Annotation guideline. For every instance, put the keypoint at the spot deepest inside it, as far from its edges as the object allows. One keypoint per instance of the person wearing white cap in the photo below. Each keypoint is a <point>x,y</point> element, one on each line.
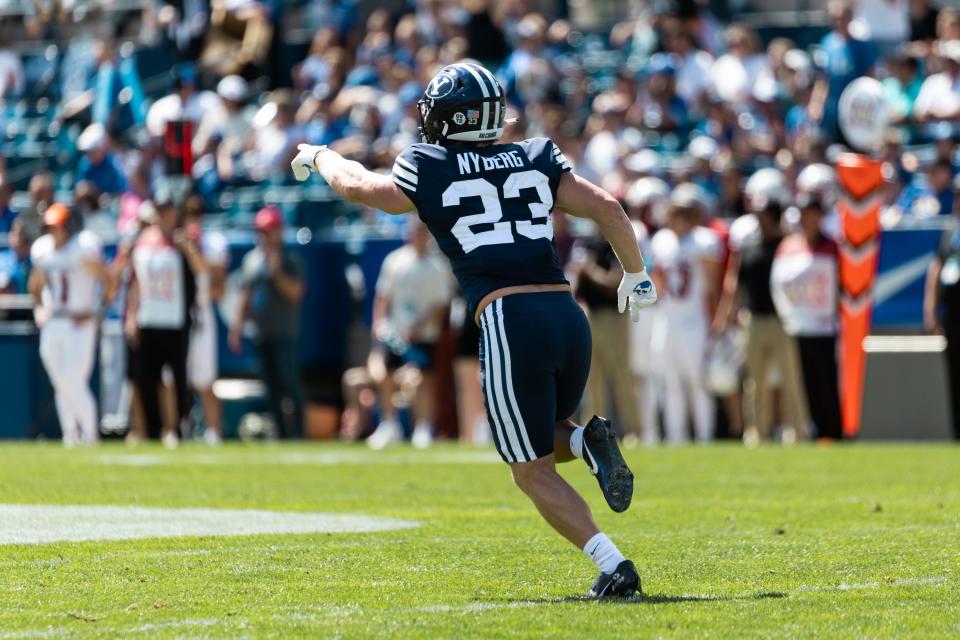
<point>685,258</point>
<point>98,165</point>
<point>224,130</point>
<point>939,97</point>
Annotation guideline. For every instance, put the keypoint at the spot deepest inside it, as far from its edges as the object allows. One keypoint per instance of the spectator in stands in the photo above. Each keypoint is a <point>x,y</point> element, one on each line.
<point>902,87</point>
<point>923,20</point>
<point>658,106</point>
<point>185,103</point>
<point>223,134</point>
<point>939,96</point>
<point>239,37</point>
<point>884,22</point>
<point>804,287</point>
<point>12,80</point>
<point>138,192</point>
<point>15,261</point>
<point>413,299</point>
<point>118,99</point>
<point>596,276</point>
<point>271,291</point>
<point>41,191</point>
<point>693,69</point>
<point>930,192</point>
<point>736,73</point>
<point>844,58</point>
<point>184,24</point>
<point>275,136</point>
<point>7,214</point>
<point>159,303</point>
<point>99,165</point>
<point>93,216</point>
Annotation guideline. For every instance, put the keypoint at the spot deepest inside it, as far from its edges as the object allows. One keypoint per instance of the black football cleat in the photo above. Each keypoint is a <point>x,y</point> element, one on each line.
<point>602,455</point>
<point>624,582</point>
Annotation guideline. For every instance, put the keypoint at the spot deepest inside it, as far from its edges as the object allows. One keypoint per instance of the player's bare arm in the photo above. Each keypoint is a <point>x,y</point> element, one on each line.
<point>728,294</point>
<point>931,297</point>
<point>584,199</point>
<point>351,180</point>
<point>235,337</point>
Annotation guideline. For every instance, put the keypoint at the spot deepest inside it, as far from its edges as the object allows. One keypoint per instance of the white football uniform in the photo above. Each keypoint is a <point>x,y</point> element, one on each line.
<point>67,342</point>
<point>202,357</point>
<point>680,328</point>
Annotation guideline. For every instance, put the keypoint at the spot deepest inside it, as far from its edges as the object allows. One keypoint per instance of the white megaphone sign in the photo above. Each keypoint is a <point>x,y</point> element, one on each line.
<point>863,114</point>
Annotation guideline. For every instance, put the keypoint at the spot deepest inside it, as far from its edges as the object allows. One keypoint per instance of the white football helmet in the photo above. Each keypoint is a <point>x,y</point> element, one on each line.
<point>766,186</point>
<point>821,180</point>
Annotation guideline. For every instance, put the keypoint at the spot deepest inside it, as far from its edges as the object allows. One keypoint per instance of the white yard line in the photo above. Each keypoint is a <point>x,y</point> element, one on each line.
<point>38,524</point>
<point>320,458</point>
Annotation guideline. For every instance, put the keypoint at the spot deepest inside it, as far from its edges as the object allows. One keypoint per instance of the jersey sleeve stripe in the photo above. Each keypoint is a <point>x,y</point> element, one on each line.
<point>403,173</point>
<point>406,165</point>
<point>403,184</point>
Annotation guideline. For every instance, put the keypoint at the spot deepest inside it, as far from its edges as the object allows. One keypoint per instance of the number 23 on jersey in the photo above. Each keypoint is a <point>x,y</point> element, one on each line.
<point>490,198</point>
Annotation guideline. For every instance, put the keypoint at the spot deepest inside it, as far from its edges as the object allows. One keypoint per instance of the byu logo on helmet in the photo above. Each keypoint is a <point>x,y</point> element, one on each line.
<point>440,86</point>
<point>643,288</point>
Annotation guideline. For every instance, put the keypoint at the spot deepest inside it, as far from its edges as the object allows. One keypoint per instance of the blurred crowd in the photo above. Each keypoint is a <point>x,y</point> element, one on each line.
<point>673,106</point>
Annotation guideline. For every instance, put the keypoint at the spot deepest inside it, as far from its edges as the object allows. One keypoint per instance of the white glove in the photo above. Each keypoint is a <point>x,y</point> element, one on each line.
<point>637,291</point>
<point>303,164</point>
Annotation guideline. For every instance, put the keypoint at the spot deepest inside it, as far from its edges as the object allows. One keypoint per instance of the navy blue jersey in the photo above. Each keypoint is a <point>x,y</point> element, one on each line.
<point>489,209</point>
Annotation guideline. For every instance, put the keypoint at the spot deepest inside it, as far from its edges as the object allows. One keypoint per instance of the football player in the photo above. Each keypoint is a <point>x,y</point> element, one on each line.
<point>489,207</point>
<point>68,284</point>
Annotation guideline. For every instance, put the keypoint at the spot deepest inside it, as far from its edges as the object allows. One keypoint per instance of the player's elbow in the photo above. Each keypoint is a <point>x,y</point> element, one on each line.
<point>608,209</point>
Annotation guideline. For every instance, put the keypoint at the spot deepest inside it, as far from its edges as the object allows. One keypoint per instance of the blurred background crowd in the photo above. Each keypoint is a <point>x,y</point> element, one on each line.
<point>715,122</point>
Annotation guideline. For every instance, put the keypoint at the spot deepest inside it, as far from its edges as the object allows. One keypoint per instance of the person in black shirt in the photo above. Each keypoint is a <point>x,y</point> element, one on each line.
<point>748,279</point>
<point>941,312</point>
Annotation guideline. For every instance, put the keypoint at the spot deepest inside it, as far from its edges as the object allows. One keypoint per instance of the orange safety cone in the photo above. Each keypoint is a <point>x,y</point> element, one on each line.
<point>861,182</point>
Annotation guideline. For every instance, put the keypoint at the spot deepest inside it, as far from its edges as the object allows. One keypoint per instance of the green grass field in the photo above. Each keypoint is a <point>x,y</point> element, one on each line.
<point>846,541</point>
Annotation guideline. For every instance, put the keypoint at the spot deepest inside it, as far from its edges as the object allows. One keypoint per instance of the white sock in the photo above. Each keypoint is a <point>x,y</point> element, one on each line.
<point>603,552</point>
<point>576,443</point>
<point>423,426</point>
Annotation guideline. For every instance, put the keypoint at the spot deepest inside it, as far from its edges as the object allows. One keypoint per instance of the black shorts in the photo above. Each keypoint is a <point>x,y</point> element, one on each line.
<point>133,362</point>
<point>534,362</point>
<point>468,339</point>
<point>419,354</point>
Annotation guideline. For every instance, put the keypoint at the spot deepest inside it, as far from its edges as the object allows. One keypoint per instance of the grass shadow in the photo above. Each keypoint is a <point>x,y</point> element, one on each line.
<point>661,598</point>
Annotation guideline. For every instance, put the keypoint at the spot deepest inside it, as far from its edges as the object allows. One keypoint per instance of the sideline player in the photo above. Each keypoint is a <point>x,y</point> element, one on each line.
<point>489,207</point>
<point>685,255</point>
<point>68,283</point>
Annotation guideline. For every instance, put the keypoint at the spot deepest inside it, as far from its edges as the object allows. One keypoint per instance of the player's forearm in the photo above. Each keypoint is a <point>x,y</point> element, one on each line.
<point>243,311</point>
<point>931,290</point>
<point>344,176</point>
<point>617,230</point>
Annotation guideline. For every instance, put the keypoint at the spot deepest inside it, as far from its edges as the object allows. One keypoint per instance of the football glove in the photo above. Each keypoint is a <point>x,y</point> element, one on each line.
<point>303,165</point>
<point>636,291</point>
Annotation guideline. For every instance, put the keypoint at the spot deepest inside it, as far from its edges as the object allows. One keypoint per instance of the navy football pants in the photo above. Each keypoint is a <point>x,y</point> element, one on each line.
<point>534,360</point>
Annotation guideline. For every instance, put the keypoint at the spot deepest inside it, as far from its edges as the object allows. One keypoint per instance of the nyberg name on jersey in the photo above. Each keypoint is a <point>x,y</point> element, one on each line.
<point>474,162</point>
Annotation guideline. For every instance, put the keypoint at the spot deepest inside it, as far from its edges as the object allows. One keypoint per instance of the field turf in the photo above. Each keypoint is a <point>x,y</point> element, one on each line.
<point>855,541</point>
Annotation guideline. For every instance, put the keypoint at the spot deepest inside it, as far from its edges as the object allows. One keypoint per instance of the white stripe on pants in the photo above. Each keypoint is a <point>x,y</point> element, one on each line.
<point>500,394</point>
